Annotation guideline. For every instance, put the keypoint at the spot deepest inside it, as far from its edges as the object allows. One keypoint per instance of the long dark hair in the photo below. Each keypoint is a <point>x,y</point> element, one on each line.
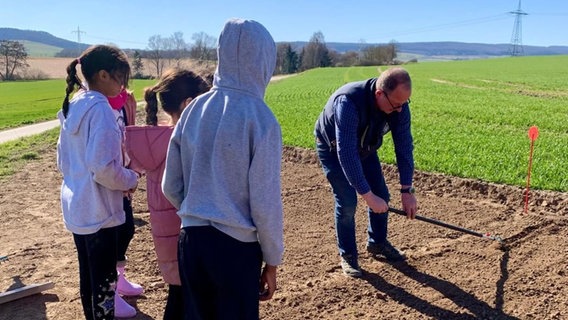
<point>93,60</point>
<point>174,87</point>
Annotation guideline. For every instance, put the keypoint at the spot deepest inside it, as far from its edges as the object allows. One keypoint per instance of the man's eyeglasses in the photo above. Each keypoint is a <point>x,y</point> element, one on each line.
<point>397,107</point>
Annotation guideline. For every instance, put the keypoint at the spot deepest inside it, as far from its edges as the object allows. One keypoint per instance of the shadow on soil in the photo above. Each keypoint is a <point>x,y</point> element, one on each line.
<point>475,308</point>
<point>27,307</point>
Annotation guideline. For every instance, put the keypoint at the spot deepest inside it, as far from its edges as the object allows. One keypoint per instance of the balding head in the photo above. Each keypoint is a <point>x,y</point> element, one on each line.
<point>391,78</point>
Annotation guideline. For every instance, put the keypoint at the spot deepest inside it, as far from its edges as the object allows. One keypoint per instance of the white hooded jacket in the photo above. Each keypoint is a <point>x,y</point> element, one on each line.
<point>89,156</point>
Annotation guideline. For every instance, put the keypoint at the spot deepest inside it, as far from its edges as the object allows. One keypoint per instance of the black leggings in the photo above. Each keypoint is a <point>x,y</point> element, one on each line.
<point>97,271</point>
<point>125,231</point>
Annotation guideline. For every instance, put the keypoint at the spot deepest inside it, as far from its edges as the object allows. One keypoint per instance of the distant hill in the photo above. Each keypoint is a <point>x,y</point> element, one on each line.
<point>33,40</point>
<point>40,37</point>
<point>448,48</point>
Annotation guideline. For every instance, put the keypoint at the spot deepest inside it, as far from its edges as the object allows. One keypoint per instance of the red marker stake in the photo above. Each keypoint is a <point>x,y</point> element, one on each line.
<point>533,134</point>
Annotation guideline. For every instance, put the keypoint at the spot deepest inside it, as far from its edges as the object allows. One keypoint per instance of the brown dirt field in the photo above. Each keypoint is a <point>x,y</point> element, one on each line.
<point>449,275</point>
<point>55,68</point>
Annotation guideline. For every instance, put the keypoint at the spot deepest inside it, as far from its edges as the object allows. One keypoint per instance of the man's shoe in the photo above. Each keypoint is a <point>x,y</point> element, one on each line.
<point>387,250</point>
<point>350,266</point>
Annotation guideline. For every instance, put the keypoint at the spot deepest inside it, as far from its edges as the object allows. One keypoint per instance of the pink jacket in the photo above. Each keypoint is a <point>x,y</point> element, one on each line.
<point>147,147</point>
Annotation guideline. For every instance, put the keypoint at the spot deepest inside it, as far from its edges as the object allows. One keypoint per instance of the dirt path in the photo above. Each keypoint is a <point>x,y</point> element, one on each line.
<point>53,64</point>
<point>449,275</point>
<point>24,131</point>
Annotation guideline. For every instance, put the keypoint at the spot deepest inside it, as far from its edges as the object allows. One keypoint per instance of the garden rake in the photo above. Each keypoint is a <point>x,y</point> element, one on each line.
<point>450,226</point>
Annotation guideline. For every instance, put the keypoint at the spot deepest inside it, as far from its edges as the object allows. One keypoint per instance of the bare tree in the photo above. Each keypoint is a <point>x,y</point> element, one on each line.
<point>13,56</point>
<point>347,59</point>
<point>168,46</point>
<point>157,47</point>
<point>203,48</point>
<point>379,55</point>
<point>392,50</point>
<point>372,55</point>
<point>315,54</point>
<point>179,48</point>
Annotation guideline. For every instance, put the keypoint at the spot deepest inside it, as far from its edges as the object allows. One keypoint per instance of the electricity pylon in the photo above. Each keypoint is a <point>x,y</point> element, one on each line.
<point>78,32</point>
<point>516,48</point>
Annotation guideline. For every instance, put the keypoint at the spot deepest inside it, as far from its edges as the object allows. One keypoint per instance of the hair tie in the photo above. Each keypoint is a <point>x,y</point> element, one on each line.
<point>78,60</point>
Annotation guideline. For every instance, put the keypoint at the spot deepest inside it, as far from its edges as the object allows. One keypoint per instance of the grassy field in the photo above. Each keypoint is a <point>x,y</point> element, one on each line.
<point>36,49</point>
<point>470,118</point>
<point>13,154</point>
<point>30,102</point>
<point>26,102</point>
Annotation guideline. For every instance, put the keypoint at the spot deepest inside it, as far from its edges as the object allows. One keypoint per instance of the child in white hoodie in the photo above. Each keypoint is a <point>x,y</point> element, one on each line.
<point>89,156</point>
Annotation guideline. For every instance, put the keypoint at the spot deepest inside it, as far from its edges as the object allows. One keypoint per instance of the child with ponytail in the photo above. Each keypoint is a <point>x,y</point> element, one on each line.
<point>147,147</point>
<point>90,158</point>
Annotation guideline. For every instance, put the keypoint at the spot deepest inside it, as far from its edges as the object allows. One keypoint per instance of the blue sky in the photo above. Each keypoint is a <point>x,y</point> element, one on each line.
<point>130,23</point>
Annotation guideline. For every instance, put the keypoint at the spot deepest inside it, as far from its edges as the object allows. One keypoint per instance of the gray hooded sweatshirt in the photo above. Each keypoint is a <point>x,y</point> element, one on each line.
<point>224,157</point>
<point>89,156</point>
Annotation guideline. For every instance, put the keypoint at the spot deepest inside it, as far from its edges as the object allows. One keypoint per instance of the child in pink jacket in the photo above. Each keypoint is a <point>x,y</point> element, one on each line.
<point>147,147</point>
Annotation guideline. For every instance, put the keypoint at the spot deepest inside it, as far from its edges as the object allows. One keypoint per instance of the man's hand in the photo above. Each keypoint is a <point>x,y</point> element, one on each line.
<point>377,204</point>
<point>409,205</point>
<point>267,284</point>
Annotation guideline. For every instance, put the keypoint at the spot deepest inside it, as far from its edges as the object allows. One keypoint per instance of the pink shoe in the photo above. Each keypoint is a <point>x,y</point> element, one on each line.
<point>125,287</point>
<point>122,309</point>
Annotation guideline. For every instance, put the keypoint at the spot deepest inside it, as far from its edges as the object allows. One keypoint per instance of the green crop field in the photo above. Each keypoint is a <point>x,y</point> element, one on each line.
<point>36,49</point>
<point>469,118</point>
<point>26,102</point>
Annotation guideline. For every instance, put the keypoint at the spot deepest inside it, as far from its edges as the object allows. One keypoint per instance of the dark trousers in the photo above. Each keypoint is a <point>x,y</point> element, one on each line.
<point>97,272</point>
<point>219,274</point>
<point>174,305</point>
<point>125,232</point>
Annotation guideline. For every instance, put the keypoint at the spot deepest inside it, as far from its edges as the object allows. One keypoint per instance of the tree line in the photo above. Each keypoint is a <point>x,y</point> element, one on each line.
<point>162,52</point>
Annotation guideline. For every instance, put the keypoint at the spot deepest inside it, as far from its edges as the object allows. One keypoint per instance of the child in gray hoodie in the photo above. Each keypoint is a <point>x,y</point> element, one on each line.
<point>223,175</point>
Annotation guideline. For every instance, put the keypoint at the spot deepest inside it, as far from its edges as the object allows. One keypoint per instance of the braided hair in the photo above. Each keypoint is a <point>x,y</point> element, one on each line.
<point>175,86</point>
<point>94,59</point>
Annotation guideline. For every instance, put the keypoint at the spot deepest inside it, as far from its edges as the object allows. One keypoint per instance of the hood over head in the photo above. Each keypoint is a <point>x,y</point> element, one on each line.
<point>246,57</point>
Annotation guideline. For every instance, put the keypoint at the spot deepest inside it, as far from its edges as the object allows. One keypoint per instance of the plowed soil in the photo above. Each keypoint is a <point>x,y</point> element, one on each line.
<point>449,274</point>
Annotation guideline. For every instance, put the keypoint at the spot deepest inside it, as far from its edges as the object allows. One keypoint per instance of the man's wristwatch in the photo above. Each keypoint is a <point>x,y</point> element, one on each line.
<point>410,190</point>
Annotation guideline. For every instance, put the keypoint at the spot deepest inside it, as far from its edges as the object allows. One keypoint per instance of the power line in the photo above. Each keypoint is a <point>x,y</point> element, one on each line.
<point>449,25</point>
<point>116,40</point>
